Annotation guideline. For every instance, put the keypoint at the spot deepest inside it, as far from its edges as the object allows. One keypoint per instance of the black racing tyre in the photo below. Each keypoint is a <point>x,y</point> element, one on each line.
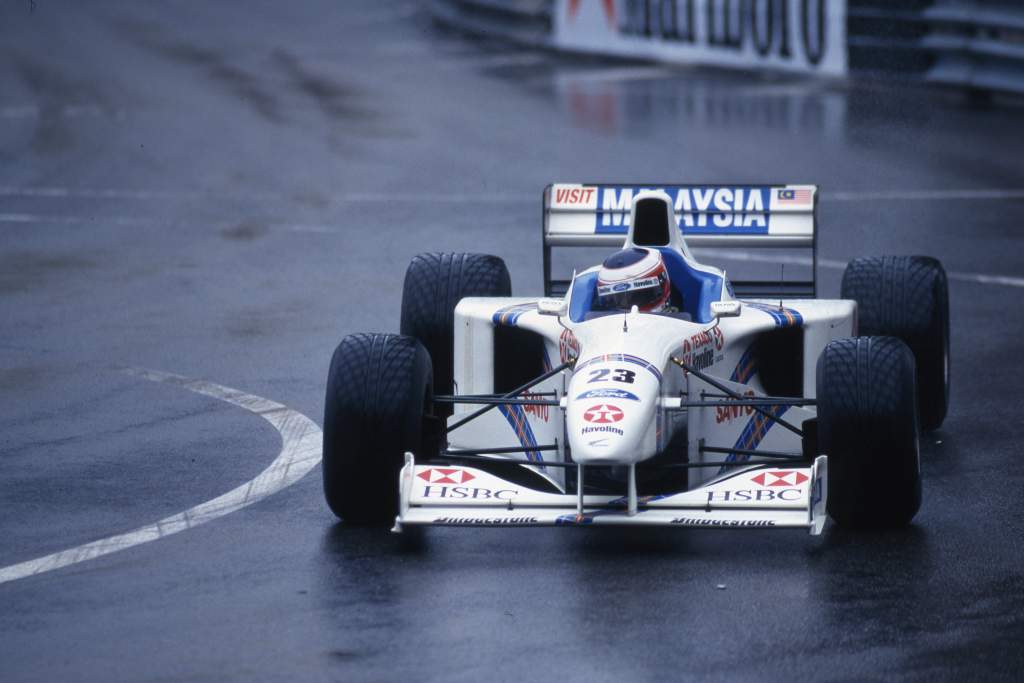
<point>908,297</point>
<point>378,389</point>
<point>434,284</point>
<point>867,426</point>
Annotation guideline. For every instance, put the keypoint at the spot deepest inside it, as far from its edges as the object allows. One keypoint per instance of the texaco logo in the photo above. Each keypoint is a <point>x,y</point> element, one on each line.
<point>790,478</point>
<point>438,475</point>
<point>603,414</point>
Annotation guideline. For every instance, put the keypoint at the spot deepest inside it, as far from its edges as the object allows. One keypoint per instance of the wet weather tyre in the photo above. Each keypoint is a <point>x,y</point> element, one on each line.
<point>867,426</point>
<point>908,297</point>
<point>434,285</point>
<point>377,391</point>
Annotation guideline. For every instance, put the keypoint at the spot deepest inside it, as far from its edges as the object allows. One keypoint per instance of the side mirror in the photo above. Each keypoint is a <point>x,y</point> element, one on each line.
<point>552,307</point>
<point>726,309</point>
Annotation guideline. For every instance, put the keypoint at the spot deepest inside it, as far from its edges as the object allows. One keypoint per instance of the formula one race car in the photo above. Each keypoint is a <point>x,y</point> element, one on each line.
<point>729,404</point>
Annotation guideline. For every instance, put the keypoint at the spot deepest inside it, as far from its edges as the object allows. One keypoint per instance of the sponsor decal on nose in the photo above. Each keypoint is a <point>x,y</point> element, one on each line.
<point>608,393</point>
<point>790,478</point>
<point>438,475</point>
<point>603,413</point>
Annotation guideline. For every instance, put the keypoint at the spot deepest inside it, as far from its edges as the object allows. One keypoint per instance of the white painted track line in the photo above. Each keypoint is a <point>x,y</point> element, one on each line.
<point>976,194</point>
<point>732,255</point>
<point>480,198</point>
<point>737,255</point>
<point>343,198</point>
<point>924,195</point>
<point>80,219</point>
<point>301,443</point>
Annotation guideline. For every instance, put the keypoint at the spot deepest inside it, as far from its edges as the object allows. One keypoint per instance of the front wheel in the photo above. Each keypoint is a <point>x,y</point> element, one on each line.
<point>378,392</point>
<point>908,297</point>
<point>434,285</point>
<point>867,426</point>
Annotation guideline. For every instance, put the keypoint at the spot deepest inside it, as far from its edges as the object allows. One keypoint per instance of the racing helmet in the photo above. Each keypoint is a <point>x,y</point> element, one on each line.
<point>634,277</point>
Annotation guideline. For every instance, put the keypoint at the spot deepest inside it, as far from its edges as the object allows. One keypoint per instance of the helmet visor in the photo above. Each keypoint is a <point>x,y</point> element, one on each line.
<point>649,293</point>
<point>641,298</point>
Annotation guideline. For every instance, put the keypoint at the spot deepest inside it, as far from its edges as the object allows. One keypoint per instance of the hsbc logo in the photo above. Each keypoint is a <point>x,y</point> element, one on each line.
<point>603,414</point>
<point>439,475</point>
<point>784,478</point>
<point>471,492</point>
<point>749,495</point>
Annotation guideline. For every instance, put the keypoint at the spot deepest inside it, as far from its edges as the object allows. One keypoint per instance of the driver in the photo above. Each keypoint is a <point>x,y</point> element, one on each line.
<point>634,277</point>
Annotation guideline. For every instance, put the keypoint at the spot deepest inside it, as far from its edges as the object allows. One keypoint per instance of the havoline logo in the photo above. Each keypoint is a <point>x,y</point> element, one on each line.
<point>604,428</point>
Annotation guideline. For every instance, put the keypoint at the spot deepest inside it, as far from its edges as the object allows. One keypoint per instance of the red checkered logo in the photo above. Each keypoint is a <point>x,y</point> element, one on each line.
<point>787,478</point>
<point>440,475</point>
<point>603,414</point>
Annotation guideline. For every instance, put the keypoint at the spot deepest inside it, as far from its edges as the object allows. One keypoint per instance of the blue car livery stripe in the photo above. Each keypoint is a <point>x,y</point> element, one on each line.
<point>619,504</point>
<point>752,435</point>
<point>783,317</point>
<point>516,417</point>
<point>574,519</point>
<point>509,315</point>
<point>745,367</point>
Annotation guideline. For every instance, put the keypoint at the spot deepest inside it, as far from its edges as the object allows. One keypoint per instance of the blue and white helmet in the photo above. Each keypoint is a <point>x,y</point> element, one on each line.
<point>634,277</point>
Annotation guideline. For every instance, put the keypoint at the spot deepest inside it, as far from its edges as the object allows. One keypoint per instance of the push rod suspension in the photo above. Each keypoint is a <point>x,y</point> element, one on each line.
<point>450,397</point>
<point>475,456</point>
<point>727,403</point>
<point>512,394</point>
<point>744,451</point>
<point>696,465</point>
<point>501,449</point>
<point>739,397</point>
<point>770,400</point>
<point>495,400</point>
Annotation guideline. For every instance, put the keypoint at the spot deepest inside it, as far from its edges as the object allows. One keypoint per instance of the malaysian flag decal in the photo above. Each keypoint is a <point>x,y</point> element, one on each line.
<point>794,196</point>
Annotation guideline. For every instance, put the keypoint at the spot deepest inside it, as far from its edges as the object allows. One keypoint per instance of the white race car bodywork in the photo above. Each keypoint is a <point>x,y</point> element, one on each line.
<point>625,399</point>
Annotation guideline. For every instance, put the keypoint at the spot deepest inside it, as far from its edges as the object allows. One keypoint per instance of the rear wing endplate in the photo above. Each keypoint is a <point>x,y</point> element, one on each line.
<point>727,216</point>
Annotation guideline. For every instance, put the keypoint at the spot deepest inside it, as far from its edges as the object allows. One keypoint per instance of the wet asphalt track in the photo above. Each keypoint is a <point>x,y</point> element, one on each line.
<point>223,190</point>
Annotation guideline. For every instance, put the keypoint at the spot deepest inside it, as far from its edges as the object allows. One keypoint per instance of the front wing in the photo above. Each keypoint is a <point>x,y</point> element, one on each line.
<point>759,496</point>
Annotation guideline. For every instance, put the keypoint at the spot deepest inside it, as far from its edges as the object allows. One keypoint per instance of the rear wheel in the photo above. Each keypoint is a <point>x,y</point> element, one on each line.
<point>378,388</point>
<point>434,285</point>
<point>867,426</point>
<point>908,297</point>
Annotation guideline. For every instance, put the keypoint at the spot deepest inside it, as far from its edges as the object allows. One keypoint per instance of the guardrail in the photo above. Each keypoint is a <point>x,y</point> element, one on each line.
<point>521,21</point>
<point>975,44</point>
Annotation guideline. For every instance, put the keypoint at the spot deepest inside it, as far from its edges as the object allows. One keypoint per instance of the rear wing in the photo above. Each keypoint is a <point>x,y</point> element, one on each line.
<point>747,216</point>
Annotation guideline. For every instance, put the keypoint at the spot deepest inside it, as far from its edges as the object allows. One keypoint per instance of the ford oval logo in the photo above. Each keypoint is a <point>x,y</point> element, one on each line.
<point>608,393</point>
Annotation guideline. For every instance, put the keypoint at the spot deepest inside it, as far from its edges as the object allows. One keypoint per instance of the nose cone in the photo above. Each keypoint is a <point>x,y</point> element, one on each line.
<point>611,405</point>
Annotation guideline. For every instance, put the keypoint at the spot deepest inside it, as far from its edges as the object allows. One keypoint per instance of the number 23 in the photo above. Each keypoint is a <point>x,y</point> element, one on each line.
<point>620,375</point>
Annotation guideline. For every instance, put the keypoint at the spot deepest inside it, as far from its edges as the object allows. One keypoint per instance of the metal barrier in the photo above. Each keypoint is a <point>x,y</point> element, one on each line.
<point>521,21</point>
<point>975,44</point>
